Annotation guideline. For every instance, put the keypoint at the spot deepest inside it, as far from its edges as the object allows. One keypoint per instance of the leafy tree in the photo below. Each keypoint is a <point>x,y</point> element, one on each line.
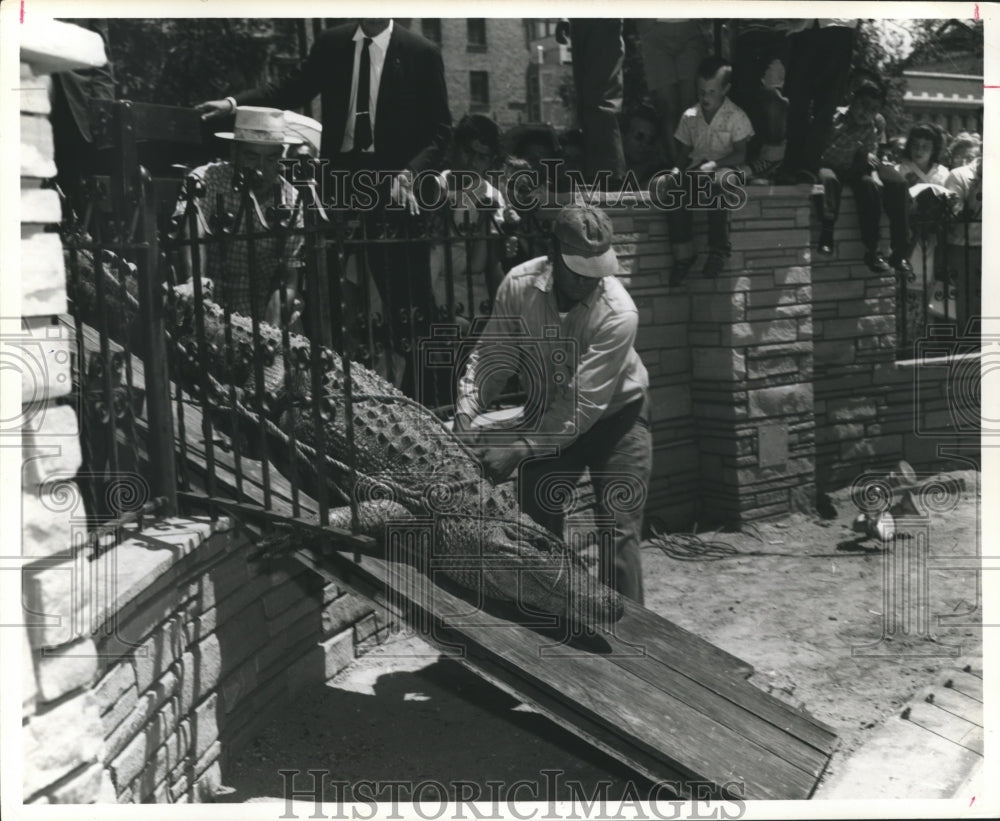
<point>184,61</point>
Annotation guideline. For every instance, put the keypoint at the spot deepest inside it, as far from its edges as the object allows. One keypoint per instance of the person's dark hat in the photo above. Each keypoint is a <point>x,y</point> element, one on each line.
<point>523,135</point>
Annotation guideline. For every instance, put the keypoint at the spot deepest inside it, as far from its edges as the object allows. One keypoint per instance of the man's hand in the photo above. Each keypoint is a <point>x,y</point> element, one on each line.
<point>562,32</point>
<point>708,165</point>
<point>401,192</point>
<point>213,109</point>
<point>499,462</point>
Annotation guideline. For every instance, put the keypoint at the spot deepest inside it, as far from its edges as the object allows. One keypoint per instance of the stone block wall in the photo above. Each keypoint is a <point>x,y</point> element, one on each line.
<point>874,405</point>
<point>61,732</point>
<point>730,361</point>
<point>780,376</point>
<point>164,655</point>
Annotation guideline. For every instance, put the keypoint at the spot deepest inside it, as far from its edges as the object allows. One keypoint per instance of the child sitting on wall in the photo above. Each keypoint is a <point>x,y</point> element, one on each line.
<point>852,157</point>
<point>711,137</point>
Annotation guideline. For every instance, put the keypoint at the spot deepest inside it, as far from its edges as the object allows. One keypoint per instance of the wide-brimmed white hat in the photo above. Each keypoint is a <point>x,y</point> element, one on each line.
<point>585,233</point>
<point>303,129</point>
<point>260,126</point>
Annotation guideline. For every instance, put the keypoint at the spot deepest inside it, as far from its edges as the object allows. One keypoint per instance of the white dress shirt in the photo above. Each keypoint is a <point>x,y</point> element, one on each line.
<point>376,53</point>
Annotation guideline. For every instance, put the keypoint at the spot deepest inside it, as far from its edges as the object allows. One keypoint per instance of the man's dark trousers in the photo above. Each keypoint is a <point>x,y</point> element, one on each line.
<point>819,64</point>
<point>618,451</point>
<point>400,271</point>
<point>598,59</point>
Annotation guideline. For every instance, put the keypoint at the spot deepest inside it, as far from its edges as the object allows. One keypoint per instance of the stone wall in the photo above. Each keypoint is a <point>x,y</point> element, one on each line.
<point>875,406</point>
<point>58,765</point>
<point>163,656</point>
<point>780,376</point>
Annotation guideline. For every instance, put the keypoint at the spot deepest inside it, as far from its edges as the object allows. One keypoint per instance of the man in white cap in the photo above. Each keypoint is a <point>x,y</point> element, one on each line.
<point>573,327</point>
<point>258,140</point>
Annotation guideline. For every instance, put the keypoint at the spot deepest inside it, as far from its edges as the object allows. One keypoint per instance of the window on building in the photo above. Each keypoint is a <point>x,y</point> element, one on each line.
<point>430,27</point>
<point>476,27</point>
<point>479,90</point>
<point>544,28</point>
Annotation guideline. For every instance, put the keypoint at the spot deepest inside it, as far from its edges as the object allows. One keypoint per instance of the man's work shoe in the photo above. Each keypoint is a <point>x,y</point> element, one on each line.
<point>714,264</point>
<point>680,270</point>
<point>876,262</point>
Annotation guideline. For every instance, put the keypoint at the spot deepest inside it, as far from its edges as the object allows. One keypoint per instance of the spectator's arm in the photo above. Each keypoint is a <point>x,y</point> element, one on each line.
<point>295,91</point>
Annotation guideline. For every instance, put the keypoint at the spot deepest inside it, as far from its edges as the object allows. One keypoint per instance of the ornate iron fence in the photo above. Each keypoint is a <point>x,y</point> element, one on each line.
<point>944,289</point>
<point>201,399</point>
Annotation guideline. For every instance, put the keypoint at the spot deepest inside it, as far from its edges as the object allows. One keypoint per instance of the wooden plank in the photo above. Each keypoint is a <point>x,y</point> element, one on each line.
<point>957,702</point>
<point>652,719</point>
<point>967,684</point>
<point>973,666</point>
<point>737,717</point>
<point>669,644</point>
<point>947,725</point>
<point>594,734</point>
<point>672,710</point>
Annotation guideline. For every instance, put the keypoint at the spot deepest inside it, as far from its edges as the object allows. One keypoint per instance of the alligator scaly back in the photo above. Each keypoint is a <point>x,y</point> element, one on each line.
<point>406,466</point>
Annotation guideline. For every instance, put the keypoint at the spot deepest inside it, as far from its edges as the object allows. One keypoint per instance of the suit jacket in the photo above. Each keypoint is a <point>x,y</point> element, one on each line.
<point>412,119</point>
<point>71,90</point>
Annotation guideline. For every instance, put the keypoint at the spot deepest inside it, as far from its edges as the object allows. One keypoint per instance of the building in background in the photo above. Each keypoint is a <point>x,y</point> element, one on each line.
<point>944,78</point>
<point>510,69</point>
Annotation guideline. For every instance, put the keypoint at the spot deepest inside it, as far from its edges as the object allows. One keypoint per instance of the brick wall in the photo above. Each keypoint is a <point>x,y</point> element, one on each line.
<point>505,59</point>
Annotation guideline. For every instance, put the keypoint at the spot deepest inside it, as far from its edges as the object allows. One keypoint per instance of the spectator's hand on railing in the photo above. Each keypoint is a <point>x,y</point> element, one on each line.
<point>211,109</point>
<point>401,192</point>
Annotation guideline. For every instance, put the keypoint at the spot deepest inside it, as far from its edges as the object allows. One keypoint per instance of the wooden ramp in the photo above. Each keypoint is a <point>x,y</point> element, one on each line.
<point>665,702</point>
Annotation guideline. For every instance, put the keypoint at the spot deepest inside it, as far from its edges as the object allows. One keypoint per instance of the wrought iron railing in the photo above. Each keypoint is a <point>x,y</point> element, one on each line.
<point>943,291</point>
<point>185,393</point>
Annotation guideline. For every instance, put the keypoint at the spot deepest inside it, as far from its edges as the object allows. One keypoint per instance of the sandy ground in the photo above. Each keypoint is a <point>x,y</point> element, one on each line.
<point>803,600</point>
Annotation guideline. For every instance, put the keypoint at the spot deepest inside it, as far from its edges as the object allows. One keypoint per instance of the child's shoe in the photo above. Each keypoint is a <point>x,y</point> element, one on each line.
<point>714,264</point>
<point>680,270</point>
<point>876,262</point>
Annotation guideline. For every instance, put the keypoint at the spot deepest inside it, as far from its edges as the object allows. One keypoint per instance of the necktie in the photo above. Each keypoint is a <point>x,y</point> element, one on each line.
<point>362,117</point>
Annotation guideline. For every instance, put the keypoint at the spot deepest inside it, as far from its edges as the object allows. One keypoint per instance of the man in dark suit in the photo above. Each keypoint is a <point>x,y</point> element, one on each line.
<point>401,129</point>
<point>76,156</point>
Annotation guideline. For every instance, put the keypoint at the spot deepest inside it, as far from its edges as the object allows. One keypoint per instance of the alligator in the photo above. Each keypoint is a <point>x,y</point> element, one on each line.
<point>403,467</point>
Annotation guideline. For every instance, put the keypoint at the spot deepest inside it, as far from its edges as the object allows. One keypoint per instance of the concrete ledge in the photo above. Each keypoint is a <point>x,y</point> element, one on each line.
<point>49,45</point>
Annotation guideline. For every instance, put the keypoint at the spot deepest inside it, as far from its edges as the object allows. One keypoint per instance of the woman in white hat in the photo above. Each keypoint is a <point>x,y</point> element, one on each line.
<point>259,138</point>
